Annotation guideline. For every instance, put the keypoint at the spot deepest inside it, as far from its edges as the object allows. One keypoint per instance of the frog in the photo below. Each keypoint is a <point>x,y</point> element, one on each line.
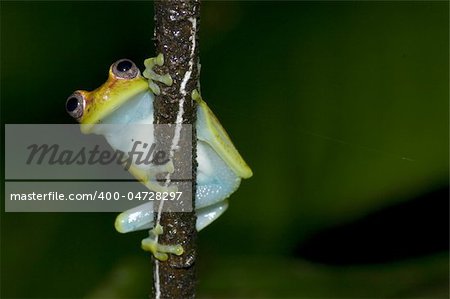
<point>127,97</point>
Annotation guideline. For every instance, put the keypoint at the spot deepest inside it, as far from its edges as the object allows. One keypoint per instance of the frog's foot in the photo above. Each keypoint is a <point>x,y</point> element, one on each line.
<point>147,176</point>
<point>150,74</point>
<point>158,185</point>
<point>160,251</point>
<point>166,167</point>
<point>153,184</point>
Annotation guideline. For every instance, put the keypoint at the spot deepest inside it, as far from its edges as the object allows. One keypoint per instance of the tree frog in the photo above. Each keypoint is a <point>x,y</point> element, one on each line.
<point>127,98</point>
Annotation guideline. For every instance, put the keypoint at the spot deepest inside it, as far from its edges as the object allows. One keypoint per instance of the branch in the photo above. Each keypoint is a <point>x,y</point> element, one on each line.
<point>176,37</point>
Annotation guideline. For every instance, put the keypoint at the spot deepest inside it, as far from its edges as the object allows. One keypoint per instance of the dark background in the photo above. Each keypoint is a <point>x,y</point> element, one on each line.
<point>340,108</point>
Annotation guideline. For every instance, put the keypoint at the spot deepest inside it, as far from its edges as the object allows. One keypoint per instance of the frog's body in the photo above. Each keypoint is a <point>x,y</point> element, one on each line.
<point>126,98</point>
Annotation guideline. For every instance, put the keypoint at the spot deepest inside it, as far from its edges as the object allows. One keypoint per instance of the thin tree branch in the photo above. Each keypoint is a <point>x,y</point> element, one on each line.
<point>176,37</point>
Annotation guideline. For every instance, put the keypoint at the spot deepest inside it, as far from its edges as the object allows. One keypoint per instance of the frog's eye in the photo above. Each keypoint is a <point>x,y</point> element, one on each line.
<point>125,69</point>
<point>75,105</point>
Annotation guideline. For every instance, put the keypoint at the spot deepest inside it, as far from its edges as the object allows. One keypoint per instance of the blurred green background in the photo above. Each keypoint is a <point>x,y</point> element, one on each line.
<point>340,108</point>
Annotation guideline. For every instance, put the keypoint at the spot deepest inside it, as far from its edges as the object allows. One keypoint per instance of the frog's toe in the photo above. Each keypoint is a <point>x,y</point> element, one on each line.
<point>168,167</point>
<point>195,95</point>
<point>150,74</point>
<point>154,87</point>
<point>160,251</point>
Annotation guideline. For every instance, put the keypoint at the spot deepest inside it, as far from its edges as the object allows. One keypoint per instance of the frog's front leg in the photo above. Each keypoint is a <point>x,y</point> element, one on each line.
<point>150,74</point>
<point>141,217</point>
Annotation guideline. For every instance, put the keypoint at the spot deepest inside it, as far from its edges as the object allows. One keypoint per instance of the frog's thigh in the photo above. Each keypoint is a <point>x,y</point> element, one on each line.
<point>215,180</point>
<point>208,214</point>
<point>138,218</point>
<point>210,131</point>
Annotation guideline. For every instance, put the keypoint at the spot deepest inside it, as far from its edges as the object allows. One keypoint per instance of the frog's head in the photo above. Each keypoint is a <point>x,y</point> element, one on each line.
<point>94,107</point>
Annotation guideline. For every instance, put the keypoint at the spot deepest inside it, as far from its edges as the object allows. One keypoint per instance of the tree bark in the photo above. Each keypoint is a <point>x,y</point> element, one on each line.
<point>176,37</point>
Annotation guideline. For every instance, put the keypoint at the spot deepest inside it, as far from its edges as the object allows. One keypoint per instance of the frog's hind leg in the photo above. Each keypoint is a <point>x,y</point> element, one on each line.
<point>141,217</point>
<point>211,131</point>
<point>150,74</point>
<point>208,214</point>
